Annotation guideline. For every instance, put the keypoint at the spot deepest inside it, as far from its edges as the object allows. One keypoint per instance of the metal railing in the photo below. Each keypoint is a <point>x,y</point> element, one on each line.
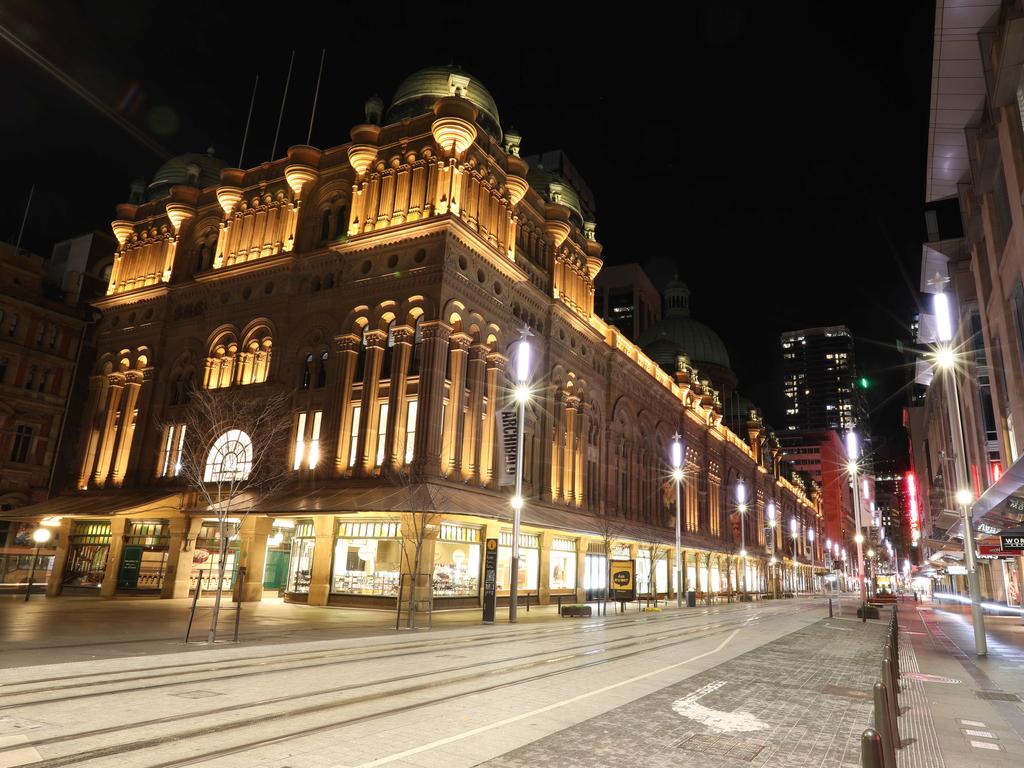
<point>878,745</point>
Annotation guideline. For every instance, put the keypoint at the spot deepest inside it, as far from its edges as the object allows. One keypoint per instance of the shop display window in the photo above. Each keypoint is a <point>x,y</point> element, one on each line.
<point>661,569</point>
<point>206,557</point>
<point>300,563</point>
<point>529,561</point>
<point>88,546</point>
<point>562,564</point>
<point>150,541</point>
<point>457,562</point>
<point>367,559</point>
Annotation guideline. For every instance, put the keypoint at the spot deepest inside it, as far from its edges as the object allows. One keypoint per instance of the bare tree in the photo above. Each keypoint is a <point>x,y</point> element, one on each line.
<point>609,528</point>
<point>421,518</point>
<point>650,541</point>
<point>234,455</point>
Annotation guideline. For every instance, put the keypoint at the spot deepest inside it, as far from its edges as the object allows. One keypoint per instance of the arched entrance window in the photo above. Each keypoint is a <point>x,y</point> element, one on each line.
<point>230,458</point>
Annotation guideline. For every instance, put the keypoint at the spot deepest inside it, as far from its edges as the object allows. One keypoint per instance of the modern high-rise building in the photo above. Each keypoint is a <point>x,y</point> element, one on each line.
<point>625,297</point>
<point>820,381</point>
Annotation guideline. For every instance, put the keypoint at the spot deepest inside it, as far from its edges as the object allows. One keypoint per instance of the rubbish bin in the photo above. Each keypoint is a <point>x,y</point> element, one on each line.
<point>691,599</point>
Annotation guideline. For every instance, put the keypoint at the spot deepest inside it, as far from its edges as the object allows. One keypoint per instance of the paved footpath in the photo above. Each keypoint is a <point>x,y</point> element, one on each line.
<point>801,700</point>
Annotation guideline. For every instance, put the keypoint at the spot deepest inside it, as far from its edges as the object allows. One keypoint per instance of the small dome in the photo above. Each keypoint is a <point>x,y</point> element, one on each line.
<point>421,89</point>
<point>555,189</point>
<point>191,169</point>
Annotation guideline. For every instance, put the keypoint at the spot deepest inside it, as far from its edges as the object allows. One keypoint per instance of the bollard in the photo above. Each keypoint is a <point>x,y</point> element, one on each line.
<point>892,687</point>
<point>871,755</point>
<point>830,607</point>
<point>883,724</point>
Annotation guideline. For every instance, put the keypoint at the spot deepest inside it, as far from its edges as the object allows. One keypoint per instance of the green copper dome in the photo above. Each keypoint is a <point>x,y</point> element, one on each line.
<point>553,188</point>
<point>678,333</point>
<point>191,169</point>
<point>421,89</point>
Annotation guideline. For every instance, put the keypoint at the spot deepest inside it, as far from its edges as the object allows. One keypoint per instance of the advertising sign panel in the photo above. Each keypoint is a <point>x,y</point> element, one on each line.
<point>622,575</point>
<point>490,579</point>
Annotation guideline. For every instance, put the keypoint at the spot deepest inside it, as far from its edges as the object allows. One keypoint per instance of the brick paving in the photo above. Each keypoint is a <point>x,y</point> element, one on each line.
<point>801,700</point>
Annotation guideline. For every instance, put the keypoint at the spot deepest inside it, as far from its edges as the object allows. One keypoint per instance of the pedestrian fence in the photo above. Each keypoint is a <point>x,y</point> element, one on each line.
<point>878,745</point>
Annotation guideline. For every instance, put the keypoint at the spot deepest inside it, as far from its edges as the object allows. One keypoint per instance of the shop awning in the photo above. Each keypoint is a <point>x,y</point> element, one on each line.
<point>101,504</point>
<point>447,500</point>
<point>992,512</point>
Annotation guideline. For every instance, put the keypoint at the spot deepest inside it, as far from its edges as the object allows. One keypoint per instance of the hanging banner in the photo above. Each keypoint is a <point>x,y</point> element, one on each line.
<point>508,424</point>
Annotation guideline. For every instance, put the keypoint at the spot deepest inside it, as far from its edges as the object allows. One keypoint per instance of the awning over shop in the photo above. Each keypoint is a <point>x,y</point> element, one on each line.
<point>992,511</point>
<point>447,500</point>
<point>101,504</point>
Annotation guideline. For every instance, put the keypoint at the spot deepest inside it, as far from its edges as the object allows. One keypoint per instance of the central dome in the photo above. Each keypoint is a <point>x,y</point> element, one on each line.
<point>421,89</point>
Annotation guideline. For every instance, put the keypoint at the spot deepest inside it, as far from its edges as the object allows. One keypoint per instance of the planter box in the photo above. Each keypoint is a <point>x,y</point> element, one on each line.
<point>576,611</point>
<point>746,598</point>
<point>871,611</point>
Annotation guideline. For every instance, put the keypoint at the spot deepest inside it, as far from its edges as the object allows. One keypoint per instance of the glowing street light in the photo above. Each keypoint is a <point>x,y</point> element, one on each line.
<point>810,538</point>
<point>771,524</point>
<point>40,536</point>
<point>676,456</point>
<point>741,507</point>
<point>853,455</point>
<point>522,395</point>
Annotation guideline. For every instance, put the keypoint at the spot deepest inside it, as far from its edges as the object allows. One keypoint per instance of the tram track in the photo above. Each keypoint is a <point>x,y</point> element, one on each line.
<point>344,655</point>
<point>512,665</point>
<point>303,664</point>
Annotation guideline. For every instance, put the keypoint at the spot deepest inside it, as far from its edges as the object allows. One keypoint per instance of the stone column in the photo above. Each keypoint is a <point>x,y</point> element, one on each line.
<point>109,429</point>
<point>126,433</point>
<point>582,547</point>
<point>472,433</point>
<point>394,439</point>
<point>60,559</point>
<point>572,405</point>
<point>495,367</point>
<point>180,550</point>
<point>323,554</point>
<point>424,582</point>
<point>435,336</point>
<point>451,453</point>
<point>341,399</point>
<point>557,448</point>
<point>109,586</point>
<point>368,416</point>
<point>252,554</point>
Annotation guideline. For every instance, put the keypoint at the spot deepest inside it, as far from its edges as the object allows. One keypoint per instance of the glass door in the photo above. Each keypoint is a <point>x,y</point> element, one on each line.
<point>595,576</point>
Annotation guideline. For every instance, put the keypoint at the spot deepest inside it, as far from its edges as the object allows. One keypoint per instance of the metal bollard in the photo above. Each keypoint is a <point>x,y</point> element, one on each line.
<point>871,754</point>
<point>883,724</point>
<point>892,686</point>
<point>830,607</point>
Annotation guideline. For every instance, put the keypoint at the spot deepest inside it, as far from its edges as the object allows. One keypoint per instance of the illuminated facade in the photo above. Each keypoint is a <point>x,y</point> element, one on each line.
<point>381,283</point>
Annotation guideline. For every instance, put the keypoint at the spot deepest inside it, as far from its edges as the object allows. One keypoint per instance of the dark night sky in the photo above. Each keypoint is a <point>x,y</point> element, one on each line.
<point>784,147</point>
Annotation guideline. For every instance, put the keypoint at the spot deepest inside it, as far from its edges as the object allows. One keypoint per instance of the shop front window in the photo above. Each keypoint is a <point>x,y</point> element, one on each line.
<point>457,562</point>
<point>88,546</point>
<point>367,559</point>
<point>300,563</point>
<point>206,556</point>
<point>661,573</point>
<point>643,572</point>
<point>562,573</point>
<point>529,561</point>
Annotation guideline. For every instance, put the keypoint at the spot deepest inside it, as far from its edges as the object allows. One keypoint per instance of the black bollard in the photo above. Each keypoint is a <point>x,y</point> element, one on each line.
<point>830,607</point>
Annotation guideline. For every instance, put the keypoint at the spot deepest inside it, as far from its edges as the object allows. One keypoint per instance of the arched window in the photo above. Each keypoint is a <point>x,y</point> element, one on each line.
<point>321,373</point>
<point>389,352</point>
<point>230,458</point>
<point>361,357</point>
<point>325,226</point>
<point>307,370</point>
<point>417,348</point>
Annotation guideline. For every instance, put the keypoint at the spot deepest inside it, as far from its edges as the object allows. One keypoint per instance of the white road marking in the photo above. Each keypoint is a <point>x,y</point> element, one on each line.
<point>984,745</point>
<point>26,754</point>
<point>716,719</point>
<point>541,710</point>
<point>982,734</point>
<point>974,722</point>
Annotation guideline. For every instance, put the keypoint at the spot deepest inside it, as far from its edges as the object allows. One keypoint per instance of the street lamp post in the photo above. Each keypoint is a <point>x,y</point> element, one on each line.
<point>40,536</point>
<point>852,455</point>
<point>771,527</point>
<point>741,507</point>
<point>677,476</point>
<point>810,537</point>
<point>793,526</point>
<point>522,392</point>
<point>964,498</point>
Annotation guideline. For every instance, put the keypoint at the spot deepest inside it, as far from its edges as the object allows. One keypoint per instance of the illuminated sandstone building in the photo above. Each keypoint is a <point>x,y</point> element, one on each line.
<point>381,283</point>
